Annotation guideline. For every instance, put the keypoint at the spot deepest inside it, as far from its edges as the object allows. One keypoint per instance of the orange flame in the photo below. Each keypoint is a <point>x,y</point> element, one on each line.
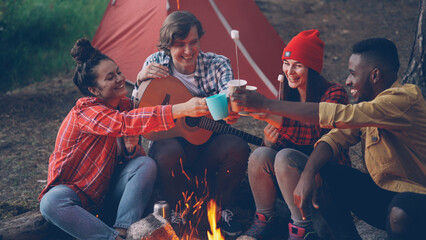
<point>178,7</point>
<point>211,213</point>
<point>183,171</point>
<point>191,209</point>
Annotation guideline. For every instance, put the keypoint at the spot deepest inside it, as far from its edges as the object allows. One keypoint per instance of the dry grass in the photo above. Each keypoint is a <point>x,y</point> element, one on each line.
<point>30,118</point>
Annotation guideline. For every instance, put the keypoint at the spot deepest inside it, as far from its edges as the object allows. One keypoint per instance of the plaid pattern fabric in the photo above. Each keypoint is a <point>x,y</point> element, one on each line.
<point>85,154</point>
<point>302,136</point>
<point>212,72</point>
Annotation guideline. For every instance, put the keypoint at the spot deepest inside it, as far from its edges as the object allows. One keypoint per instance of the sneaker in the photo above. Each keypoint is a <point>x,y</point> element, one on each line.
<point>299,233</point>
<point>228,224</point>
<point>261,227</point>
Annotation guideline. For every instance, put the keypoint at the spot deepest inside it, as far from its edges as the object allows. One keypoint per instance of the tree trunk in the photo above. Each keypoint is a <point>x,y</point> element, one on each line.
<point>416,70</point>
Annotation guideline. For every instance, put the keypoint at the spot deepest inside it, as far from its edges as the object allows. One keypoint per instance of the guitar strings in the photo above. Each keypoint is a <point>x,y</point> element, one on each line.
<point>211,125</point>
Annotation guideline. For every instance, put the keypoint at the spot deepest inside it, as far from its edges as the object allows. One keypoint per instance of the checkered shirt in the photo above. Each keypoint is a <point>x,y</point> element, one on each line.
<point>302,136</point>
<point>85,154</point>
<point>212,72</point>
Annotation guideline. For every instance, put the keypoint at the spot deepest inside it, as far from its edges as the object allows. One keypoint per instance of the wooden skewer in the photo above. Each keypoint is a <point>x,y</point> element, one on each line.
<point>235,35</point>
<point>280,96</point>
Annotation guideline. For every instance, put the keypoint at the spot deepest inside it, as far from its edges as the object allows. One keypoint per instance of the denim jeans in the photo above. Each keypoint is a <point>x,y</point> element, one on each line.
<point>131,188</point>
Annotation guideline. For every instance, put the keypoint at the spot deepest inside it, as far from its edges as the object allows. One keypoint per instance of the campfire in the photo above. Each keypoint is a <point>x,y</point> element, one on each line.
<point>214,233</point>
<point>194,207</point>
<point>192,210</point>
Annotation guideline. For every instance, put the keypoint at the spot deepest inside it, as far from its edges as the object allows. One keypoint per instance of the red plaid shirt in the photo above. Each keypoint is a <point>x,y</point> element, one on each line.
<point>302,136</point>
<point>85,154</point>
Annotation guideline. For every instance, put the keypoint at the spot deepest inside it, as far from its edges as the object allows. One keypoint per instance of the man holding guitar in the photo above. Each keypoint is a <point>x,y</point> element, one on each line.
<point>223,157</point>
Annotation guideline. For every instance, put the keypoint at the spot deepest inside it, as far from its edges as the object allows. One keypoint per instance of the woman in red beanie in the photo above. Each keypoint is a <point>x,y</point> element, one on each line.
<point>288,143</point>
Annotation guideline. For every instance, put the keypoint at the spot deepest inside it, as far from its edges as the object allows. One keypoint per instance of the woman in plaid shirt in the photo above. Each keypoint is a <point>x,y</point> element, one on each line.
<point>288,143</point>
<point>97,165</point>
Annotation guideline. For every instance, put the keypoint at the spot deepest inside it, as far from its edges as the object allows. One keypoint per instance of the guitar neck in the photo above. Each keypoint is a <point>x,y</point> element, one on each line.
<point>211,125</point>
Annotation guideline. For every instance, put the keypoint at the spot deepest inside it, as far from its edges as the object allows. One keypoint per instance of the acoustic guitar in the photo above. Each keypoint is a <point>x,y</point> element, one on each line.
<point>197,131</point>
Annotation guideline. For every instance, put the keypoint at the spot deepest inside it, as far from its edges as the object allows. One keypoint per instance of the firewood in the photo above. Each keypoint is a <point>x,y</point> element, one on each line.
<point>30,225</point>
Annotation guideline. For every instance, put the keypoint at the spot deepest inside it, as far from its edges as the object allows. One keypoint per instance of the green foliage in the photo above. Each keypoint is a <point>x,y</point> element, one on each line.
<point>36,37</point>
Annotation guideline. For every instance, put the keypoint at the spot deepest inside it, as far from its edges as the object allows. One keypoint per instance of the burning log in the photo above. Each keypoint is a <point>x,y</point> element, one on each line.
<point>30,225</point>
<point>151,227</point>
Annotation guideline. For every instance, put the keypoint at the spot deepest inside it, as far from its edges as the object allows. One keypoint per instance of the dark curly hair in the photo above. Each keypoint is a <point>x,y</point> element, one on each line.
<point>87,57</point>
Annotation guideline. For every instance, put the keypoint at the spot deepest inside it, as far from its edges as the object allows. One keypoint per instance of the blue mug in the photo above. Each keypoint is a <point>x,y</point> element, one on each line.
<point>218,106</point>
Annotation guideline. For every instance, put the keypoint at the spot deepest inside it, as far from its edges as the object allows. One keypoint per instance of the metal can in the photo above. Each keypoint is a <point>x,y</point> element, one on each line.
<point>162,209</point>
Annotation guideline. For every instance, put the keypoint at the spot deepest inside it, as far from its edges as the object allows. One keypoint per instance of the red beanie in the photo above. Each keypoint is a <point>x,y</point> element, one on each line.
<point>307,48</point>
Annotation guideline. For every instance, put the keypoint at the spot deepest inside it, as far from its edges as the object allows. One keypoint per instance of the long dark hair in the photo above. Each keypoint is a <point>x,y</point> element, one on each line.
<point>317,85</point>
<point>87,58</point>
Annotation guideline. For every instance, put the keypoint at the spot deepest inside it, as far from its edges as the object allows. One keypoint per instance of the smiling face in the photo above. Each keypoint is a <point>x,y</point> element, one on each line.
<point>184,52</point>
<point>111,83</point>
<point>296,73</point>
<point>359,79</point>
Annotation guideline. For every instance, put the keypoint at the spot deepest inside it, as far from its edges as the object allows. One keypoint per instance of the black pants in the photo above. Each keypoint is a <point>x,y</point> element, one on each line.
<point>183,167</point>
<point>347,190</point>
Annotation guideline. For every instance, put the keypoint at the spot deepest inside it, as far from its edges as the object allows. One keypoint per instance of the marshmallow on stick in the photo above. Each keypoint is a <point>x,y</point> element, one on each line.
<point>235,34</point>
<point>281,86</point>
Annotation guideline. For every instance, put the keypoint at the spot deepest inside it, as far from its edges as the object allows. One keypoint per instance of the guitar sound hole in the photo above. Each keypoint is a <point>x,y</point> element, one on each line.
<point>192,121</point>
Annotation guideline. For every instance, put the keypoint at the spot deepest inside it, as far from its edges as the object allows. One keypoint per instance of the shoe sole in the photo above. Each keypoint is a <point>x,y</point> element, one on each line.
<point>229,234</point>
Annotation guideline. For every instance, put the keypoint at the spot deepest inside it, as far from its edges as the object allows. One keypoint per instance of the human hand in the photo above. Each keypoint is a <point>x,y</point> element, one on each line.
<point>194,107</point>
<point>232,117</point>
<point>130,142</point>
<point>271,135</point>
<point>259,116</point>
<point>305,189</point>
<point>152,70</point>
<point>249,101</point>
<point>272,119</point>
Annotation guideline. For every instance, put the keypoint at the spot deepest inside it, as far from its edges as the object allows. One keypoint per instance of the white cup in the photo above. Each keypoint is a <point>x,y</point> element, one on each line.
<point>232,86</point>
<point>250,88</point>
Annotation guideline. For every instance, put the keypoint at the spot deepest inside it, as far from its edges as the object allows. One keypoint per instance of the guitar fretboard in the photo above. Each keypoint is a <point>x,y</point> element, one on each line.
<point>211,125</point>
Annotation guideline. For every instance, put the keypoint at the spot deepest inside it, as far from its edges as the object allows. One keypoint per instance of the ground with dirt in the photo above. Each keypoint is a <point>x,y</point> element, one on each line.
<point>31,116</point>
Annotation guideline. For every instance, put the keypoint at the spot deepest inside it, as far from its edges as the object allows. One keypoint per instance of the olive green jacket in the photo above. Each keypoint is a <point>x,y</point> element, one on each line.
<point>392,128</point>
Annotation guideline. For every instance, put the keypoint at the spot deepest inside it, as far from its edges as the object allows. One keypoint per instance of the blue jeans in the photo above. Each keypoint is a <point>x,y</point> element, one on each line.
<point>131,188</point>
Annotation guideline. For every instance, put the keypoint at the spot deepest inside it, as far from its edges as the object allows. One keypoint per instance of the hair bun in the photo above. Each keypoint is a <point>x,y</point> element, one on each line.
<point>82,50</point>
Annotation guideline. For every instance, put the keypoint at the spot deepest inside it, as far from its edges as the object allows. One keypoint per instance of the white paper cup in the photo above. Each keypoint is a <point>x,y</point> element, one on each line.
<point>232,86</point>
<point>250,88</point>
